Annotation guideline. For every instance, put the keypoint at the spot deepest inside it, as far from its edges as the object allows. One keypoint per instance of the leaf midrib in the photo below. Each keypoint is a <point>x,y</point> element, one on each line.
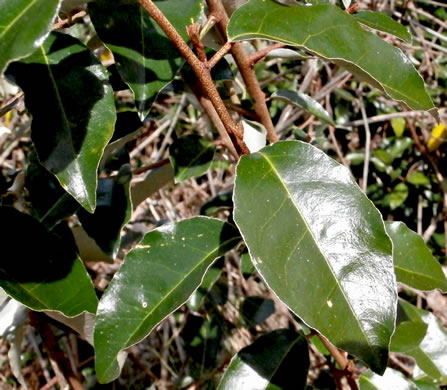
<point>292,199</point>
<point>18,16</point>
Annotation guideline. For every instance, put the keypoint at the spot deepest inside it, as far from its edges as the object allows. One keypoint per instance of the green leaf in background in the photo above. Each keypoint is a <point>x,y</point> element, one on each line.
<point>40,269</point>
<point>413,262</point>
<point>191,156</point>
<point>24,24</point>
<point>418,178</point>
<point>398,125</point>
<point>305,102</point>
<point>408,335</point>
<point>431,352</point>
<point>113,211</point>
<point>255,310</point>
<point>50,202</point>
<point>145,57</point>
<point>317,241</point>
<point>276,360</point>
<point>210,278</point>
<point>246,266</point>
<point>391,379</point>
<point>74,122</point>
<point>174,258</point>
<point>382,22</point>
<point>396,197</point>
<point>327,31</point>
<point>220,202</point>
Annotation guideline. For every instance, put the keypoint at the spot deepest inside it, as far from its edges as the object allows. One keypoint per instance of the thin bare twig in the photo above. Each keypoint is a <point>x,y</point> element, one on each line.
<point>260,55</point>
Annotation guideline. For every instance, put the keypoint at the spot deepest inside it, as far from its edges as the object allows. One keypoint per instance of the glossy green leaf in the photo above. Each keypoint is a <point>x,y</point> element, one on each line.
<point>305,102</point>
<point>40,269</point>
<point>210,278</point>
<point>413,262</point>
<point>408,335</point>
<point>328,32</point>
<point>381,22</point>
<point>113,211</point>
<point>174,258</point>
<point>255,310</point>
<point>391,379</point>
<point>74,122</point>
<point>191,156</point>
<point>320,245</point>
<point>49,201</point>
<point>145,57</point>
<point>431,352</point>
<point>418,178</point>
<point>274,361</point>
<point>24,24</point>
<point>397,197</point>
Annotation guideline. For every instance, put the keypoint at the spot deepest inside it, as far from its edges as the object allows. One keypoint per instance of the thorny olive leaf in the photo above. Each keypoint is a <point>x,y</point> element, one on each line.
<point>320,245</point>
<point>113,211</point>
<point>24,25</point>
<point>305,102</point>
<point>382,22</point>
<point>73,109</point>
<point>330,33</point>
<point>277,360</point>
<point>413,262</point>
<point>191,156</point>
<point>40,270</point>
<point>145,57</point>
<point>174,258</point>
<point>431,352</point>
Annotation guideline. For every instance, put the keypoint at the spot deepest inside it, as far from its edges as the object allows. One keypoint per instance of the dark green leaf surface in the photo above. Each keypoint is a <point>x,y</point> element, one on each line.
<point>391,379</point>
<point>320,245</point>
<point>328,32</point>
<point>74,121</point>
<point>305,102</point>
<point>113,211</point>
<point>24,24</point>
<point>408,335</point>
<point>255,310</point>
<point>413,262</point>
<point>40,270</point>
<point>430,354</point>
<point>50,202</point>
<point>382,22</point>
<point>191,156</point>
<point>246,266</point>
<point>210,278</point>
<point>145,57</point>
<point>174,258</point>
<point>277,360</point>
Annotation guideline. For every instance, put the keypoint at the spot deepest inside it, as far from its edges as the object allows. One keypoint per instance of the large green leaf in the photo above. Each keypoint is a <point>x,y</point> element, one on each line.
<point>191,156</point>
<point>277,360</point>
<point>74,122</point>
<point>430,354</point>
<point>113,211</point>
<point>145,57</point>
<point>382,22</point>
<point>24,24</point>
<point>40,269</point>
<point>156,278</point>
<point>328,32</point>
<point>320,245</point>
<point>413,262</point>
<point>408,335</point>
<point>391,379</point>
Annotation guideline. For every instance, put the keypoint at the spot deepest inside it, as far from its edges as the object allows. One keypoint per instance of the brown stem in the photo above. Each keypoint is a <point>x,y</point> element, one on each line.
<point>246,70</point>
<point>69,21</point>
<point>146,168</point>
<point>219,54</point>
<point>260,55</point>
<point>202,73</point>
<point>194,34</point>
